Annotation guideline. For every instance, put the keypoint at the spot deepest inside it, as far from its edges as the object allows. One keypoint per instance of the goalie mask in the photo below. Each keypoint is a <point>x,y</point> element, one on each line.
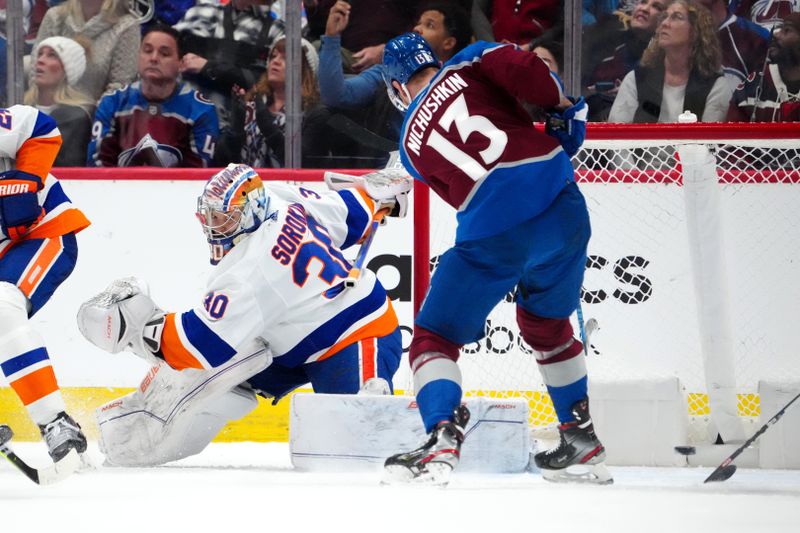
<point>233,205</point>
<point>404,56</point>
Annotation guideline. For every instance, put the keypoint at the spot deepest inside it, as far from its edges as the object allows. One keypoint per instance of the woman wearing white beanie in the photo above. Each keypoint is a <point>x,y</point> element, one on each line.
<point>60,63</point>
<point>112,37</point>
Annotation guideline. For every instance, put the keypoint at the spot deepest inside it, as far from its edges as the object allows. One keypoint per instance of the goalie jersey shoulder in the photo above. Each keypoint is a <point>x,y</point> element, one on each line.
<point>280,285</point>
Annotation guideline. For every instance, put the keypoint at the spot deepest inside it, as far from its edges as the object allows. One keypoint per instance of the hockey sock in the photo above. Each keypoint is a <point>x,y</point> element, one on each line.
<point>24,359</point>
<point>437,380</point>
<point>560,359</point>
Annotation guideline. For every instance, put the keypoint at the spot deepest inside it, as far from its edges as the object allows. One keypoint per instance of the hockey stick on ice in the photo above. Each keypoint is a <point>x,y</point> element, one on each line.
<point>68,465</point>
<point>726,469</point>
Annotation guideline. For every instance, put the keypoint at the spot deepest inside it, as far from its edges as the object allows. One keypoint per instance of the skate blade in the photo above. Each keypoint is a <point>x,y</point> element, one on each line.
<point>434,474</point>
<point>596,474</point>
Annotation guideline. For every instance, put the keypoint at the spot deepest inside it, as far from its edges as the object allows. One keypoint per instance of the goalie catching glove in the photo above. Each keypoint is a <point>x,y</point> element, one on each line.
<point>123,317</point>
<point>388,187</point>
<point>19,202</point>
<point>569,126</point>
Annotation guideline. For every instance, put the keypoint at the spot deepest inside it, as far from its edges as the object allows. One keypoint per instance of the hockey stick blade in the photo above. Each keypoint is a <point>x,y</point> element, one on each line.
<point>726,469</point>
<point>64,468</point>
<point>722,473</point>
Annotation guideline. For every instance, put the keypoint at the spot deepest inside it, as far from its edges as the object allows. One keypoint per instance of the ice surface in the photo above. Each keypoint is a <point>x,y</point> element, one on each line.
<point>253,487</point>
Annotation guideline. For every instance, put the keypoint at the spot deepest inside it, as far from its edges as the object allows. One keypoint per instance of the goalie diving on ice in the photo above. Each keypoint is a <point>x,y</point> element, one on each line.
<point>273,317</point>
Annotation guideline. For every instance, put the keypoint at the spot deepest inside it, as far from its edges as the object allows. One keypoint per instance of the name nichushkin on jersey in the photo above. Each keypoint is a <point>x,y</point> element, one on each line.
<point>451,85</point>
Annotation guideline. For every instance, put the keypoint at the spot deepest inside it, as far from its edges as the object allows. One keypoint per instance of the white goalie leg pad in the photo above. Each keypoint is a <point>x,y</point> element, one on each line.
<point>123,317</point>
<point>174,414</point>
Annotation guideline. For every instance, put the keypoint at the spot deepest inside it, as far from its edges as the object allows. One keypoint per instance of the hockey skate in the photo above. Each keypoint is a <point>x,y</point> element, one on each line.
<point>63,434</point>
<point>580,454</point>
<point>433,462</point>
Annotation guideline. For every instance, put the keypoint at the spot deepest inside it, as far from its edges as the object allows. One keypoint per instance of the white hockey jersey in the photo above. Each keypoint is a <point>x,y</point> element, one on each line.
<point>282,286</point>
<point>29,141</point>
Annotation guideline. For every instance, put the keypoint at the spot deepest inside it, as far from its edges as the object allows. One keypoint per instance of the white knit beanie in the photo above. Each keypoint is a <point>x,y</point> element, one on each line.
<point>308,50</point>
<point>311,55</point>
<point>71,54</point>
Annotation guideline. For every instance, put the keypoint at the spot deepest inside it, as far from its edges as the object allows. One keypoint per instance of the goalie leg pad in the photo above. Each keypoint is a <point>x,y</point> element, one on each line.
<point>174,414</point>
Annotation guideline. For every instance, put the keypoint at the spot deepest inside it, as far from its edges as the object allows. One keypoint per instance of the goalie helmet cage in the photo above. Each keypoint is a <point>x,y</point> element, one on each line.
<point>692,269</point>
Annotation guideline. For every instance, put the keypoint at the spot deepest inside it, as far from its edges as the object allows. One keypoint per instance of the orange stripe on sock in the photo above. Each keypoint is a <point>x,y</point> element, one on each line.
<point>175,354</point>
<point>35,385</point>
<point>368,359</point>
<point>39,266</point>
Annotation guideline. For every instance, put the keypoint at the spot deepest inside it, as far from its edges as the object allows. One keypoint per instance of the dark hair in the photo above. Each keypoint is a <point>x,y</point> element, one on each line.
<point>554,47</point>
<point>163,28</point>
<point>456,20</point>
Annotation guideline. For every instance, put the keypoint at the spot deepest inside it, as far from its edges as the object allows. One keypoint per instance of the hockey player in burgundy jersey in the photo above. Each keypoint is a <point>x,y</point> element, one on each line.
<point>522,222</point>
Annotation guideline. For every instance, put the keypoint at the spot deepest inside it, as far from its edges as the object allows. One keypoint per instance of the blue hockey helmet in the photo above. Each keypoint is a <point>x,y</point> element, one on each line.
<point>404,56</point>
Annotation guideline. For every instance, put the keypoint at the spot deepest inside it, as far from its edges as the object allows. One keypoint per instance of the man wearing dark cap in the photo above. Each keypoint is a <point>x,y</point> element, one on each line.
<point>774,94</point>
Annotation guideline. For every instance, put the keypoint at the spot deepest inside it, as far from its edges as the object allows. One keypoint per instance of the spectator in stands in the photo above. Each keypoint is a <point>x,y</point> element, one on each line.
<point>255,136</point>
<point>680,70</point>
<point>158,120</point>
<point>516,21</point>
<point>227,44</point>
<point>60,63</point>
<point>113,32</point>
<point>633,35</point>
<point>362,98</point>
<point>552,53</point>
<point>743,42</point>
<point>774,94</point>
<point>370,25</point>
<point>765,13</point>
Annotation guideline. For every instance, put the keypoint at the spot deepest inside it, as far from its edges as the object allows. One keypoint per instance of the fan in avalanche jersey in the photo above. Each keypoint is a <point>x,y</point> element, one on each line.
<point>522,222</point>
<point>38,251</point>
<point>275,295</point>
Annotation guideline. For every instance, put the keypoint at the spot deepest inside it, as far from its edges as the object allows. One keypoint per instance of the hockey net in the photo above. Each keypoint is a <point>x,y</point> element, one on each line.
<point>648,274</point>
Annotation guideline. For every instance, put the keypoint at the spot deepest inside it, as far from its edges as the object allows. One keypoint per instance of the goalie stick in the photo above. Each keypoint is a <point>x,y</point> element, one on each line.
<point>68,465</point>
<point>726,469</point>
<point>355,272</point>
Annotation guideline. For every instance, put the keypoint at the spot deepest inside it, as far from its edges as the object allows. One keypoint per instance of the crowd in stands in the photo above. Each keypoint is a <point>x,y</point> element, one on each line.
<point>192,83</point>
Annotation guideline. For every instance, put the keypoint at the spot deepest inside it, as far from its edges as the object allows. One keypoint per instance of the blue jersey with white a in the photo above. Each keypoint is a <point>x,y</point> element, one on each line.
<point>467,136</point>
<point>280,284</point>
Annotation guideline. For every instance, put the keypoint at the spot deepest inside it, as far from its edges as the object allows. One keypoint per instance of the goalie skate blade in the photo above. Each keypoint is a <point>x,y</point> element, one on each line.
<point>591,474</point>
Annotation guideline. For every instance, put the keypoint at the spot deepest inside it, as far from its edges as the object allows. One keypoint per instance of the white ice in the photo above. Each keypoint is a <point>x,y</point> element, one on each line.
<point>253,487</point>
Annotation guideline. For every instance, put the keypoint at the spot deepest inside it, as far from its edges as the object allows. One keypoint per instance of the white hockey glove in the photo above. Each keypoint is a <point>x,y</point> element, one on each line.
<point>123,317</point>
<point>388,187</point>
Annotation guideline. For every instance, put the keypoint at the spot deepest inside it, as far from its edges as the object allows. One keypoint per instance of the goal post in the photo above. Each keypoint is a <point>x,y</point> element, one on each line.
<point>692,270</point>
